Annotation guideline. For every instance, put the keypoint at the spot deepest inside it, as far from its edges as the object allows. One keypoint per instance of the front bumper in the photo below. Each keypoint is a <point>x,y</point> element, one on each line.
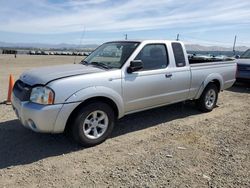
<point>243,75</point>
<point>39,118</point>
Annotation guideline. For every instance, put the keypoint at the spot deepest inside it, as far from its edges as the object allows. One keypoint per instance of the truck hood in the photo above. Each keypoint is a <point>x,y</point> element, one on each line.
<point>47,74</point>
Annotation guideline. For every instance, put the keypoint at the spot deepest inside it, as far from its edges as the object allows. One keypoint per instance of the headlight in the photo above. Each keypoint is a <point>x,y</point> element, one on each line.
<point>42,95</point>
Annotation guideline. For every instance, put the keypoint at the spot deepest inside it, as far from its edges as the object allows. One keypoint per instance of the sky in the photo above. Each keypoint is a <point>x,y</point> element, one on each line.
<point>213,22</point>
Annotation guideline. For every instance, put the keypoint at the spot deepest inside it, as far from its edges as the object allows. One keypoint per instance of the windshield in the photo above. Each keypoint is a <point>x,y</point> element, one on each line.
<point>246,54</point>
<point>111,55</point>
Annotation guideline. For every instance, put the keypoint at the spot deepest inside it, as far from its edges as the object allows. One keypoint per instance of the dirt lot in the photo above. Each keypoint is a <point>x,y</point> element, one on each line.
<point>173,146</point>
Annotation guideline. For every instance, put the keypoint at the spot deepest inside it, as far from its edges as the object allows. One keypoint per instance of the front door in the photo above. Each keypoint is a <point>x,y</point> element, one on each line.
<point>147,87</point>
<point>157,83</point>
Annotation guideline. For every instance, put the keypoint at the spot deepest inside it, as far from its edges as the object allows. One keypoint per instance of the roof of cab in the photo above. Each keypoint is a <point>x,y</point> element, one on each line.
<point>145,41</point>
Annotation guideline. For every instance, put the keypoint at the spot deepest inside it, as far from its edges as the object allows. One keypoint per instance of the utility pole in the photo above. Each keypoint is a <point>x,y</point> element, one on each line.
<point>177,38</point>
<point>126,36</point>
<point>235,38</point>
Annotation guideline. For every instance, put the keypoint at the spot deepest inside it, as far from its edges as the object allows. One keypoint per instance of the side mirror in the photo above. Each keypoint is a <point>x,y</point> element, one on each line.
<point>135,65</point>
<point>237,56</point>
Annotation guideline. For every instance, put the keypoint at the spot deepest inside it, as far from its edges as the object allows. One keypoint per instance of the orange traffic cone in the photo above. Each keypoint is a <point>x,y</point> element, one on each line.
<point>11,85</point>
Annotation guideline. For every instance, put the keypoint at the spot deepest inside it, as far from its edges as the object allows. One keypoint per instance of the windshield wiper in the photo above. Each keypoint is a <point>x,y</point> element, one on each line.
<point>100,64</point>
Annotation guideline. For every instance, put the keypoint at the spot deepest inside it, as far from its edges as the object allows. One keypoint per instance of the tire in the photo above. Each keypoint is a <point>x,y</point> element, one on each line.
<point>93,124</point>
<point>206,104</point>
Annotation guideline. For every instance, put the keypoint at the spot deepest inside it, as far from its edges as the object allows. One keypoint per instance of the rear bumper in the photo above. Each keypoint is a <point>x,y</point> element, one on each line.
<point>37,117</point>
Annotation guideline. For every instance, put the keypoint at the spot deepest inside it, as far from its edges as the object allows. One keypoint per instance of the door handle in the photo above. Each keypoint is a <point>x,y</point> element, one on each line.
<point>168,75</point>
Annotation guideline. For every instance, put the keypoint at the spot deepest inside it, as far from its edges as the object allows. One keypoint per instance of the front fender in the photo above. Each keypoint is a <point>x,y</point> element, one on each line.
<point>210,78</point>
<point>98,91</point>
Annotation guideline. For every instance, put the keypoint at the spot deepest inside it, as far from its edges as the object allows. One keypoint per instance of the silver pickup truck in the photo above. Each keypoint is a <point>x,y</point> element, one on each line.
<point>117,79</point>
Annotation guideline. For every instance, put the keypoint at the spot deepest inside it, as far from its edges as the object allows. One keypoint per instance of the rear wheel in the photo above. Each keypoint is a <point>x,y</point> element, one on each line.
<point>93,124</point>
<point>208,99</point>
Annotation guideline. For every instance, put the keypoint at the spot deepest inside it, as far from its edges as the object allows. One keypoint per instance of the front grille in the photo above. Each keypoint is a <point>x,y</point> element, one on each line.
<point>243,67</point>
<point>22,91</point>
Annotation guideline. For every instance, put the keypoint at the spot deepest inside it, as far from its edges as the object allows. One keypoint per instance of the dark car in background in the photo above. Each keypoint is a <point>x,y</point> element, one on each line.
<point>243,70</point>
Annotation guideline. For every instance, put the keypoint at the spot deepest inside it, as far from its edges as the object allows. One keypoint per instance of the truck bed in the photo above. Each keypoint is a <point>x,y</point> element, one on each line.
<point>224,71</point>
<point>210,64</point>
<point>199,61</point>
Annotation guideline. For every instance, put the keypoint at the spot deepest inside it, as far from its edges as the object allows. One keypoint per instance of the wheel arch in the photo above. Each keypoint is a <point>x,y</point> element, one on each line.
<point>217,83</point>
<point>104,99</point>
<point>212,78</point>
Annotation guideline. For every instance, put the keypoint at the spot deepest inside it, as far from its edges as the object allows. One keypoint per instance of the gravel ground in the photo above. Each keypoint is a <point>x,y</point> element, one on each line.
<point>173,146</point>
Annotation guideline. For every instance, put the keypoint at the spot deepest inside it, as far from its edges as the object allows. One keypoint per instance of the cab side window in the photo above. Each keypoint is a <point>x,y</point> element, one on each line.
<point>153,56</point>
<point>178,54</point>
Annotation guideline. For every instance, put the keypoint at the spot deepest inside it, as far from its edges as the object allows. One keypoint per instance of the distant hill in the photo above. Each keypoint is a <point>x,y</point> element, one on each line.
<point>46,46</point>
<point>196,47</point>
<point>189,47</point>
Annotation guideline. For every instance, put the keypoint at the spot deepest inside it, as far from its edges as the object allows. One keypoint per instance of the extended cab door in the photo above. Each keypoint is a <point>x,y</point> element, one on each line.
<point>159,82</point>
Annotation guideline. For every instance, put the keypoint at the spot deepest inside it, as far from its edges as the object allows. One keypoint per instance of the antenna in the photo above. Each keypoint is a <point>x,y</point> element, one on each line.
<point>126,36</point>
<point>82,36</point>
<point>177,37</point>
<point>235,38</point>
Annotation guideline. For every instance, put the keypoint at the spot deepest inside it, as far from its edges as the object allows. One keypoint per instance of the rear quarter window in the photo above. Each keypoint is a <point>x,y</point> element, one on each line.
<point>178,54</point>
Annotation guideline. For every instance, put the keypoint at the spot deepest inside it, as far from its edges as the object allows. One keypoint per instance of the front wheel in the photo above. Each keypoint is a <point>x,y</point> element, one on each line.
<point>208,99</point>
<point>93,124</point>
